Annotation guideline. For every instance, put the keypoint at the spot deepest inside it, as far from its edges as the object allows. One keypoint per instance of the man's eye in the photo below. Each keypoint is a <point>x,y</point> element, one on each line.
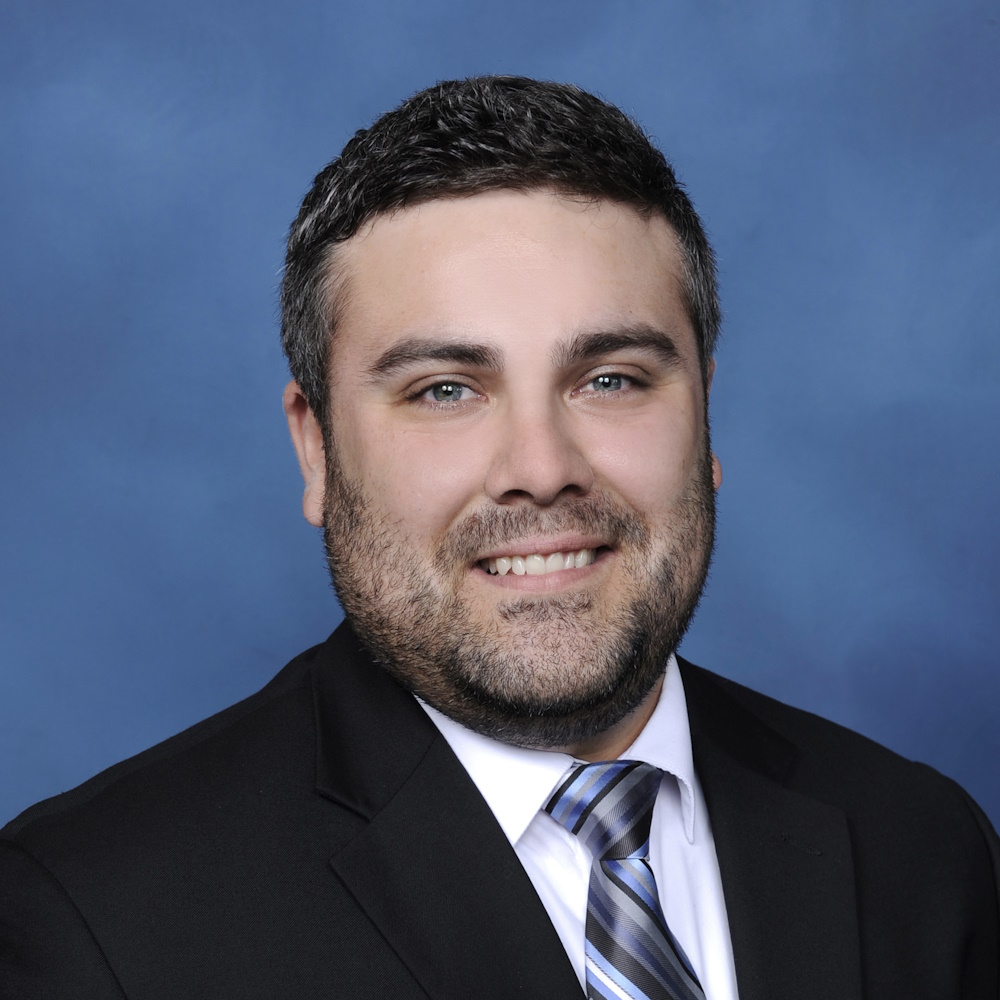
<point>608,383</point>
<point>447,392</point>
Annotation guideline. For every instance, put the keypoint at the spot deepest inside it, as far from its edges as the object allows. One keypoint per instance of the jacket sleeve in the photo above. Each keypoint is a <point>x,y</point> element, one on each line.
<point>47,951</point>
<point>993,849</point>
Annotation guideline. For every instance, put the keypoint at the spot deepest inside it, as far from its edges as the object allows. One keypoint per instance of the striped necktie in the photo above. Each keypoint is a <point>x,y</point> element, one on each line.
<point>631,954</point>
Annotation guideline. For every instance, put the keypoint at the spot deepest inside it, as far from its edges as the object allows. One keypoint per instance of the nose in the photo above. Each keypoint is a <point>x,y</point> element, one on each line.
<point>538,457</point>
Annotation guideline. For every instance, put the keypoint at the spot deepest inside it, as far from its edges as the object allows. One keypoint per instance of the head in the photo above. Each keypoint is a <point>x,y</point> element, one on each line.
<point>465,137</point>
<point>499,309</point>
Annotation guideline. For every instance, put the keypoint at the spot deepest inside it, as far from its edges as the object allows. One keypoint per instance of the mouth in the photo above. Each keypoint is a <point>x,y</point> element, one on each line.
<point>537,564</point>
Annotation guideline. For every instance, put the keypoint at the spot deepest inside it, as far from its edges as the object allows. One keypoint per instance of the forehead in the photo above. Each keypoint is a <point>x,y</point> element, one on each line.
<point>502,266</point>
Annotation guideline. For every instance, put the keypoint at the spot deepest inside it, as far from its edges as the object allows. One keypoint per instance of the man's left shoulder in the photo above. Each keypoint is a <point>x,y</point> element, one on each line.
<point>830,761</point>
<point>824,835</point>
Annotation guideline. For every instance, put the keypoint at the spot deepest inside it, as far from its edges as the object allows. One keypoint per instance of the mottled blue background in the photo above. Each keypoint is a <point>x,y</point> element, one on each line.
<point>154,566</point>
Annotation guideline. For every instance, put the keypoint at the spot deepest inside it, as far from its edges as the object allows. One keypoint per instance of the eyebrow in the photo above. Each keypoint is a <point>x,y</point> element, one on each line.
<point>589,346</point>
<point>577,350</point>
<point>418,350</point>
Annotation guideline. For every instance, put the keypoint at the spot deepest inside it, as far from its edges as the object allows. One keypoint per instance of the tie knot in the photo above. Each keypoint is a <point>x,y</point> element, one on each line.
<point>608,805</point>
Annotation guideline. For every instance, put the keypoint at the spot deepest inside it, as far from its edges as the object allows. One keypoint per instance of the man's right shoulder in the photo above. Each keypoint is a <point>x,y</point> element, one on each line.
<point>210,761</point>
<point>202,866</point>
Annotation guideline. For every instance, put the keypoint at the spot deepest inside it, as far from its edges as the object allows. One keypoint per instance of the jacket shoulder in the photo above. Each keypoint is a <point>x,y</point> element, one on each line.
<point>200,867</point>
<point>843,767</point>
<point>211,759</point>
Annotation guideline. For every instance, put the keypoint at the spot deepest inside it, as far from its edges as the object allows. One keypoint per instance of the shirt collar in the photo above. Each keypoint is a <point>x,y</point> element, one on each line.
<point>665,742</point>
<point>516,782</point>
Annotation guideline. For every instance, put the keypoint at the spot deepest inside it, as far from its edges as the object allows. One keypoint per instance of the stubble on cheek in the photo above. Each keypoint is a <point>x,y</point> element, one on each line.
<point>535,671</point>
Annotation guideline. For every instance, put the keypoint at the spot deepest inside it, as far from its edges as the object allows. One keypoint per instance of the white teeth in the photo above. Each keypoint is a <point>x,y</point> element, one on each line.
<point>539,565</point>
<point>534,565</point>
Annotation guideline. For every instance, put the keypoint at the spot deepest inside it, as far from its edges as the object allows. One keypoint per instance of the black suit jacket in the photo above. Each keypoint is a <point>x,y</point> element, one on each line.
<point>320,839</point>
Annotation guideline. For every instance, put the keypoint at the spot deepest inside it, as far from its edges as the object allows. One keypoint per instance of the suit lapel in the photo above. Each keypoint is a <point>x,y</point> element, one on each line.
<point>431,867</point>
<point>435,874</point>
<point>785,858</point>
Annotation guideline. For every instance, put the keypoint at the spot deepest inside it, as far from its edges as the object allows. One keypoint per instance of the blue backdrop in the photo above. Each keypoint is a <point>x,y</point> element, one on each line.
<point>154,566</point>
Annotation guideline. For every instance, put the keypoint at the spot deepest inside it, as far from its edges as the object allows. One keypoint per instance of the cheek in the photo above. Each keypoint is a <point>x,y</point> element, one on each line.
<point>421,481</point>
<point>649,464</point>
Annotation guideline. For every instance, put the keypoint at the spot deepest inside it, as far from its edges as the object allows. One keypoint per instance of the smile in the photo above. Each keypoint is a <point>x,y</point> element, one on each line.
<point>538,565</point>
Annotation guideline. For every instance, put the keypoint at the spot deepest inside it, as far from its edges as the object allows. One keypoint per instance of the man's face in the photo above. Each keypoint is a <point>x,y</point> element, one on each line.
<point>518,503</point>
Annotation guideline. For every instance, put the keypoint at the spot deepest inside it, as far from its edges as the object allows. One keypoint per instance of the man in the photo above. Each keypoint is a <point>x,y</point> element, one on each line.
<point>499,310</point>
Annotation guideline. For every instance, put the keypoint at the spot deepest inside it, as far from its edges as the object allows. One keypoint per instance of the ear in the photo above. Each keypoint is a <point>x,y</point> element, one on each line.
<point>307,437</point>
<point>716,464</point>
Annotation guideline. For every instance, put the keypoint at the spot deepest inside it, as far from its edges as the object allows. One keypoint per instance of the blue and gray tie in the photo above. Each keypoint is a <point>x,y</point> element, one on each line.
<point>631,954</point>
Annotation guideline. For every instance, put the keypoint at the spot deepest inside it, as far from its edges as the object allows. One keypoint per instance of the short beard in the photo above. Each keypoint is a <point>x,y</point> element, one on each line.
<point>546,672</point>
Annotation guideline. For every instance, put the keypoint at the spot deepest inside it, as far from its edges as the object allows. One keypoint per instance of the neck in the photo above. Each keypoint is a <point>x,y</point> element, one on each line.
<point>613,742</point>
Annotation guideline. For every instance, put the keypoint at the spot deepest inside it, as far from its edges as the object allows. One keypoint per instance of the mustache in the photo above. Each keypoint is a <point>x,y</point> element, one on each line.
<point>502,527</point>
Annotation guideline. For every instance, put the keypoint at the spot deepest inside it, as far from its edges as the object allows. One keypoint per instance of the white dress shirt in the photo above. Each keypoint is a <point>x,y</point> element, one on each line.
<point>517,783</point>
